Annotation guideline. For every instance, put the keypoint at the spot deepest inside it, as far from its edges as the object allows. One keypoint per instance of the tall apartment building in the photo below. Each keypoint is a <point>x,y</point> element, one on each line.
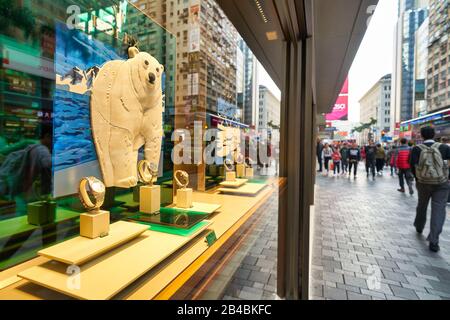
<point>420,70</point>
<point>411,15</point>
<point>438,82</point>
<point>205,75</point>
<point>376,103</point>
<point>250,110</point>
<point>205,56</point>
<point>269,111</point>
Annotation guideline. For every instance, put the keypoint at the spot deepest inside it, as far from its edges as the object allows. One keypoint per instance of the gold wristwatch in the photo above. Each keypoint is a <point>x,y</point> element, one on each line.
<point>148,172</point>
<point>228,164</point>
<point>94,187</point>
<point>183,175</point>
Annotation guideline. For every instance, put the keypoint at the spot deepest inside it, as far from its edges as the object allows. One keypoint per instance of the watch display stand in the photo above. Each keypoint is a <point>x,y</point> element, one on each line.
<point>184,198</point>
<point>149,199</point>
<point>95,224</point>
<point>240,170</point>
<point>230,176</point>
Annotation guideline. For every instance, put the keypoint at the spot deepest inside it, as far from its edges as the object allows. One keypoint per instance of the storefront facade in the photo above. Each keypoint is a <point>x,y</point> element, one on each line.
<point>97,121</point>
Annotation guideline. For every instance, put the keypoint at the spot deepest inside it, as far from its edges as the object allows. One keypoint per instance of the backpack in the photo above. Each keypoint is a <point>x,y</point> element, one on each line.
<point>432,169</point>
<point>13,171</point>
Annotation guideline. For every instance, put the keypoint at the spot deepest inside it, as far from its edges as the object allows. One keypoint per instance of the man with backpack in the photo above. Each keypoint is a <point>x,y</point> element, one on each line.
<point>430,167</point>
<point>402,159</point>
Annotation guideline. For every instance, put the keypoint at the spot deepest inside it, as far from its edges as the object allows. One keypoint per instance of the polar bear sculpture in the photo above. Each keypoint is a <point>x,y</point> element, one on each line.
<point>126,113</point>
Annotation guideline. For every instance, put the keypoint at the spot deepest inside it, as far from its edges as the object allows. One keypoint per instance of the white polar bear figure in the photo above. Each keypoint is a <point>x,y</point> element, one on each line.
<point>126,113</point>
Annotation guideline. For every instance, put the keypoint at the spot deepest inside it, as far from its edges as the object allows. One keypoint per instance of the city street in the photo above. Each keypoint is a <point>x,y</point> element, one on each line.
<point>364,233</point>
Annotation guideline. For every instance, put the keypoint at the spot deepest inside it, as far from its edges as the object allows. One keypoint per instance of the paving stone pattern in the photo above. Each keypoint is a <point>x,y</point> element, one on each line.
<point>365,246</point>
<point>255,278</point>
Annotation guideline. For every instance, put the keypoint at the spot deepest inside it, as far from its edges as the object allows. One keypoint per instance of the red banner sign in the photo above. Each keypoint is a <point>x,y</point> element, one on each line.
<point>340,110</point>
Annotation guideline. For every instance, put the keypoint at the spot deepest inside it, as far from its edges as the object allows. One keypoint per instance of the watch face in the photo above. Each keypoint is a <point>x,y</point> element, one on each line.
<point>98,186</point>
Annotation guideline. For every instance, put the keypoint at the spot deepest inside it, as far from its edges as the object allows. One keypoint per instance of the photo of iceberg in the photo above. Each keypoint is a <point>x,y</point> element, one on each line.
<point>78,58</point>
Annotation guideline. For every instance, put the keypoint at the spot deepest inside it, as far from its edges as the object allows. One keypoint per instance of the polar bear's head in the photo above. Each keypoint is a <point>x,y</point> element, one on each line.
<point>146,74</point>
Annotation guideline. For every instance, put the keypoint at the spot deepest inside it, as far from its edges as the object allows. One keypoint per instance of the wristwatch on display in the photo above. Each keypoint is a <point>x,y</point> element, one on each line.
<point>94,187</point>
<point>228,164</point>
<point>248,162</point>
<point>240,158</point>
<point>184,176</point>
<point>147,172</point>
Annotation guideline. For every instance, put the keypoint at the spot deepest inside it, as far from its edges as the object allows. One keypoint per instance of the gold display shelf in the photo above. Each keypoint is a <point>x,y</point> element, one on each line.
<point>249,189</point>
<point>162,281</point>
<point>80,249</point>
<point>106,275</point>
<point>207,208</point>
<point>234,184</point>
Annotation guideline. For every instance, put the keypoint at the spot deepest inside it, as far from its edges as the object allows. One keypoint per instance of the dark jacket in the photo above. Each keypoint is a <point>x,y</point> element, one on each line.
<point>415,153</point>
<point>319,150</point>
<point>371,151</point>
<point>344,154</point>
<point>354,154</point>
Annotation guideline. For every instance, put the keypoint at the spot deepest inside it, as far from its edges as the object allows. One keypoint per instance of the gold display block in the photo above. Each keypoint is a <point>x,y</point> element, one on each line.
<point>105,276</point>
<point>240,170</point>
<point>234,184</point>
<point>203,207</point>
<point>149,199</point>
<point>79,250</point>
<point>249,172</point>
<point>248,189</point>
<point>94,225</point>
<point>230,176</point>
<point>184,198</point>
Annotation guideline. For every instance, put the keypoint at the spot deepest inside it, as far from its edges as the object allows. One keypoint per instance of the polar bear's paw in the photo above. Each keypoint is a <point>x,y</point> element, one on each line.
<point>127,182</point>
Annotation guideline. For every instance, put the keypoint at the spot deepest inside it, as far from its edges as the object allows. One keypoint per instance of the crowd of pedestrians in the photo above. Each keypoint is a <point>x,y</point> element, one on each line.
<point>425,165</point>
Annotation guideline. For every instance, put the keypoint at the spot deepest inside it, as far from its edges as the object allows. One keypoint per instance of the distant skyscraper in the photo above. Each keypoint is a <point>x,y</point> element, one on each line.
<point>412,14</point>
<point>250,112</point>
<point>420,70</point>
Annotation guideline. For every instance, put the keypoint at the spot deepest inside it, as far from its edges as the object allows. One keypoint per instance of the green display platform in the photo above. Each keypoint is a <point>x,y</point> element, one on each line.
<point>175,230</point>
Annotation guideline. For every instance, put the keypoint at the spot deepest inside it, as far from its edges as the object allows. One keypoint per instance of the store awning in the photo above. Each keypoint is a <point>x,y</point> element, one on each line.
<point>337,27</point>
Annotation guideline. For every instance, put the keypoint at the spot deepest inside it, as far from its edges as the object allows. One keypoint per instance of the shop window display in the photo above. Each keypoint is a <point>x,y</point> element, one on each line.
<point>98,163</point>
<point>50,61</point>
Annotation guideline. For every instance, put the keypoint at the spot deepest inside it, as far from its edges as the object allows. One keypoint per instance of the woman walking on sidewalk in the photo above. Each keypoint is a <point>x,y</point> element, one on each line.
<point>336,156</point>
<point>327,152</point>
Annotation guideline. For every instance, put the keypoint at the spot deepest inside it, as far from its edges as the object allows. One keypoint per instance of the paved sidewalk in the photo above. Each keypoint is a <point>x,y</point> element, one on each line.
<point>255,278</point>
<point>365,246</point>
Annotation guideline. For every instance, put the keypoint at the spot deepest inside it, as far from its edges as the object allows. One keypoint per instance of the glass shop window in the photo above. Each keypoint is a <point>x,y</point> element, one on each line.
<point>63,85</point>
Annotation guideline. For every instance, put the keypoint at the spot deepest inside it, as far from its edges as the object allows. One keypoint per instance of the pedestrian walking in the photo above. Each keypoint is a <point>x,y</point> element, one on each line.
<point>379,159</point>
<point>344,158</point>
<point>402,157</point>
<point>370,152</point>
<point>336,156</point>
<point>430,166</point>
<point>445,140</point>
<point>327,152</point>
<point>319,149</point>
<point>391,160</point>
<point>354,156</point>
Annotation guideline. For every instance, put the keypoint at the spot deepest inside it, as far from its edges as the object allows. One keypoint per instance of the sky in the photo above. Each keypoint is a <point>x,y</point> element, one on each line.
<point>265,80</point>
<point>373,60</point>
<point>375,56</point>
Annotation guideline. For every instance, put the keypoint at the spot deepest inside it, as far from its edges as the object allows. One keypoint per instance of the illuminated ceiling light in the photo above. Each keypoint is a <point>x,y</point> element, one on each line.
<point>261,11</point>
<point>272,35</point>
